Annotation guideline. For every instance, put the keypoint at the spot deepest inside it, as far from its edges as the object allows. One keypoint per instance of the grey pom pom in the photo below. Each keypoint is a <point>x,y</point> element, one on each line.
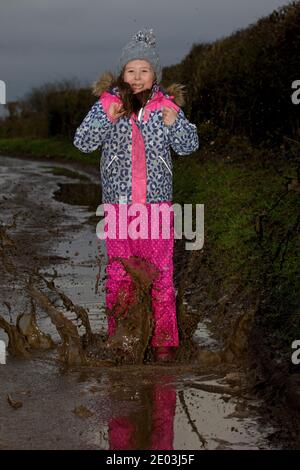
<point>145,35</point>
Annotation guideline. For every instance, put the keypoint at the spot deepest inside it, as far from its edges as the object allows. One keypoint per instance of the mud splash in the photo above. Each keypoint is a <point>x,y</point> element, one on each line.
<point>48,257</point>
<point>134,324</point>
<point>130,344</point>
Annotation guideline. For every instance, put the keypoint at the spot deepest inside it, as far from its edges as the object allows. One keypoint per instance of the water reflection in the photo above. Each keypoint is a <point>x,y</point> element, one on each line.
<point>152,426</point>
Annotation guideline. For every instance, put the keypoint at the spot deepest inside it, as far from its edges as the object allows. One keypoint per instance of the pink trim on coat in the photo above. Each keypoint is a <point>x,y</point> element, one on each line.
<point>139,166</point>
<point>157,102</point>
<point>106,99</point>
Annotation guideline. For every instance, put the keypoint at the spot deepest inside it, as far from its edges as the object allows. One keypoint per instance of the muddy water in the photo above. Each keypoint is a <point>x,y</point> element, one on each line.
<point>49,226</point>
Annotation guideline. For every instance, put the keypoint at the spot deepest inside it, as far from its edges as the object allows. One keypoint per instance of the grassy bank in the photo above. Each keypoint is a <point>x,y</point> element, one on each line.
<point>46,148</point>
<point>252,229</point>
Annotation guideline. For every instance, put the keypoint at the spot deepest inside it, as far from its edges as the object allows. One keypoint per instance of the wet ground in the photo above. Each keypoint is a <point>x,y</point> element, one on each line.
<point>48,225</point>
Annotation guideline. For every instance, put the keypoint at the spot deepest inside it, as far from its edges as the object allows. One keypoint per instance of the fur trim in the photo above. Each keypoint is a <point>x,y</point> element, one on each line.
<point>178,91</point>
<point>102,84</point>
<point>106,79</point>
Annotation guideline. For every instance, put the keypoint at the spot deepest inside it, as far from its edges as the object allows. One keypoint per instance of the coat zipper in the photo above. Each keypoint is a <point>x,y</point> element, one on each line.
<point>165,164</point>
<point>140,114</point>
<point>113,159</point>
<point>141,111</point>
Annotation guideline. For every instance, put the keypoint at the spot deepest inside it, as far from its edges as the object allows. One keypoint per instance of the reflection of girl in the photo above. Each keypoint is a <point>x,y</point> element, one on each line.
<point>151,428</point>
<point>137,122</point>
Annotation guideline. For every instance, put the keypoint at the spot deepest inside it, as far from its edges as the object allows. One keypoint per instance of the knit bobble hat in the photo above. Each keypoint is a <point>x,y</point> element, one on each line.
<point>141,46</point>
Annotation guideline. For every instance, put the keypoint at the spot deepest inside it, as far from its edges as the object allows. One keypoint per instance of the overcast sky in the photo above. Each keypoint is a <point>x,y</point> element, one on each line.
<point>47,40</point>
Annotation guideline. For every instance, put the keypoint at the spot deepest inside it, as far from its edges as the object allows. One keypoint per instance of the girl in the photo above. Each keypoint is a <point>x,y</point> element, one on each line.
<point>137,121</point>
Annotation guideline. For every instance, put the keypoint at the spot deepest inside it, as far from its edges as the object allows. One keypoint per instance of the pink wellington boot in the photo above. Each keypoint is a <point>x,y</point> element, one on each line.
<point>164,353</point>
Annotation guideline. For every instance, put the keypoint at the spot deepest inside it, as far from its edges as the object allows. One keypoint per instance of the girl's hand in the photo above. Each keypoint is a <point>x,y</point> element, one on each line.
<point>116,110</point>
<point>169,115</point>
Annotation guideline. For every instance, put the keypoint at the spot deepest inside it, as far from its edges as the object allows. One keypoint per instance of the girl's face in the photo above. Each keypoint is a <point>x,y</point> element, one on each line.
<point>139,75</point>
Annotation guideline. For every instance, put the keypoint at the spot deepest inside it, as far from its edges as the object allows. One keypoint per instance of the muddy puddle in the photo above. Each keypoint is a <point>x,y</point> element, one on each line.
<point>53,267</point>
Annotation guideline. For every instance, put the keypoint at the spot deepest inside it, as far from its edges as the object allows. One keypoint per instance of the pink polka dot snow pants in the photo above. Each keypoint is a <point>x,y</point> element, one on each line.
<point>157,251</point>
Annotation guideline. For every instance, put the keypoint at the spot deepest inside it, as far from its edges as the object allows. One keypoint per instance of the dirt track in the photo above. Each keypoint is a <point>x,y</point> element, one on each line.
<point>179,406</point>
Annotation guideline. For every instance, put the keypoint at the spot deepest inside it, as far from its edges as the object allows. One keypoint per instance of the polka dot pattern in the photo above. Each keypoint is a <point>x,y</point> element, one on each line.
<point>160,253</point>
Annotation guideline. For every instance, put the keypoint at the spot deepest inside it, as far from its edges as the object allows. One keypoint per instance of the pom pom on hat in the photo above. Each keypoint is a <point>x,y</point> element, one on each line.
<point>145,35</point>
<point>142,46</point>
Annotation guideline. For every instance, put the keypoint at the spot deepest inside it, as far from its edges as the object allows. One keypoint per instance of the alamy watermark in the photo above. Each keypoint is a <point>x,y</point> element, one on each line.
<point>2,92</point>
<point>296,354</point>
<point>123,221</point>
<point>2,352</point>
<point>295,97</point>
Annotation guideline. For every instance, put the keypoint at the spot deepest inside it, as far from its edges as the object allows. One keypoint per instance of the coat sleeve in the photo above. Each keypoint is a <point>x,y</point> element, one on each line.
<point>182,135</point>
<point>91,133</point>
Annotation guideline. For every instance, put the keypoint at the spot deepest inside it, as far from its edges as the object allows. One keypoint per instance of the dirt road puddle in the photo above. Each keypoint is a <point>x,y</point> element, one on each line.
<point>202,403</point>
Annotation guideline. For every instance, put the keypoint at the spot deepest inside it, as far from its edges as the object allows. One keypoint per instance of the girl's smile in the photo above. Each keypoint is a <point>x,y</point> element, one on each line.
<point>139,74</point>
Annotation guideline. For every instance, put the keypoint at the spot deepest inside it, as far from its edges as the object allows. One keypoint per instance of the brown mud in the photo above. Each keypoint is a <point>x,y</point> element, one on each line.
<point>93,392</point>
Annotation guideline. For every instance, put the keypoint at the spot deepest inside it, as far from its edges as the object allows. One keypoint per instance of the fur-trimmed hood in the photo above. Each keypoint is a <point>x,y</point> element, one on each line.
<point>105,80</point>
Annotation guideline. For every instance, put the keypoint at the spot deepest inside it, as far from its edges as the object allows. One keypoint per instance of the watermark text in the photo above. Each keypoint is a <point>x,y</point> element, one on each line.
<point>136,221</point>
<point>2,92</point>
